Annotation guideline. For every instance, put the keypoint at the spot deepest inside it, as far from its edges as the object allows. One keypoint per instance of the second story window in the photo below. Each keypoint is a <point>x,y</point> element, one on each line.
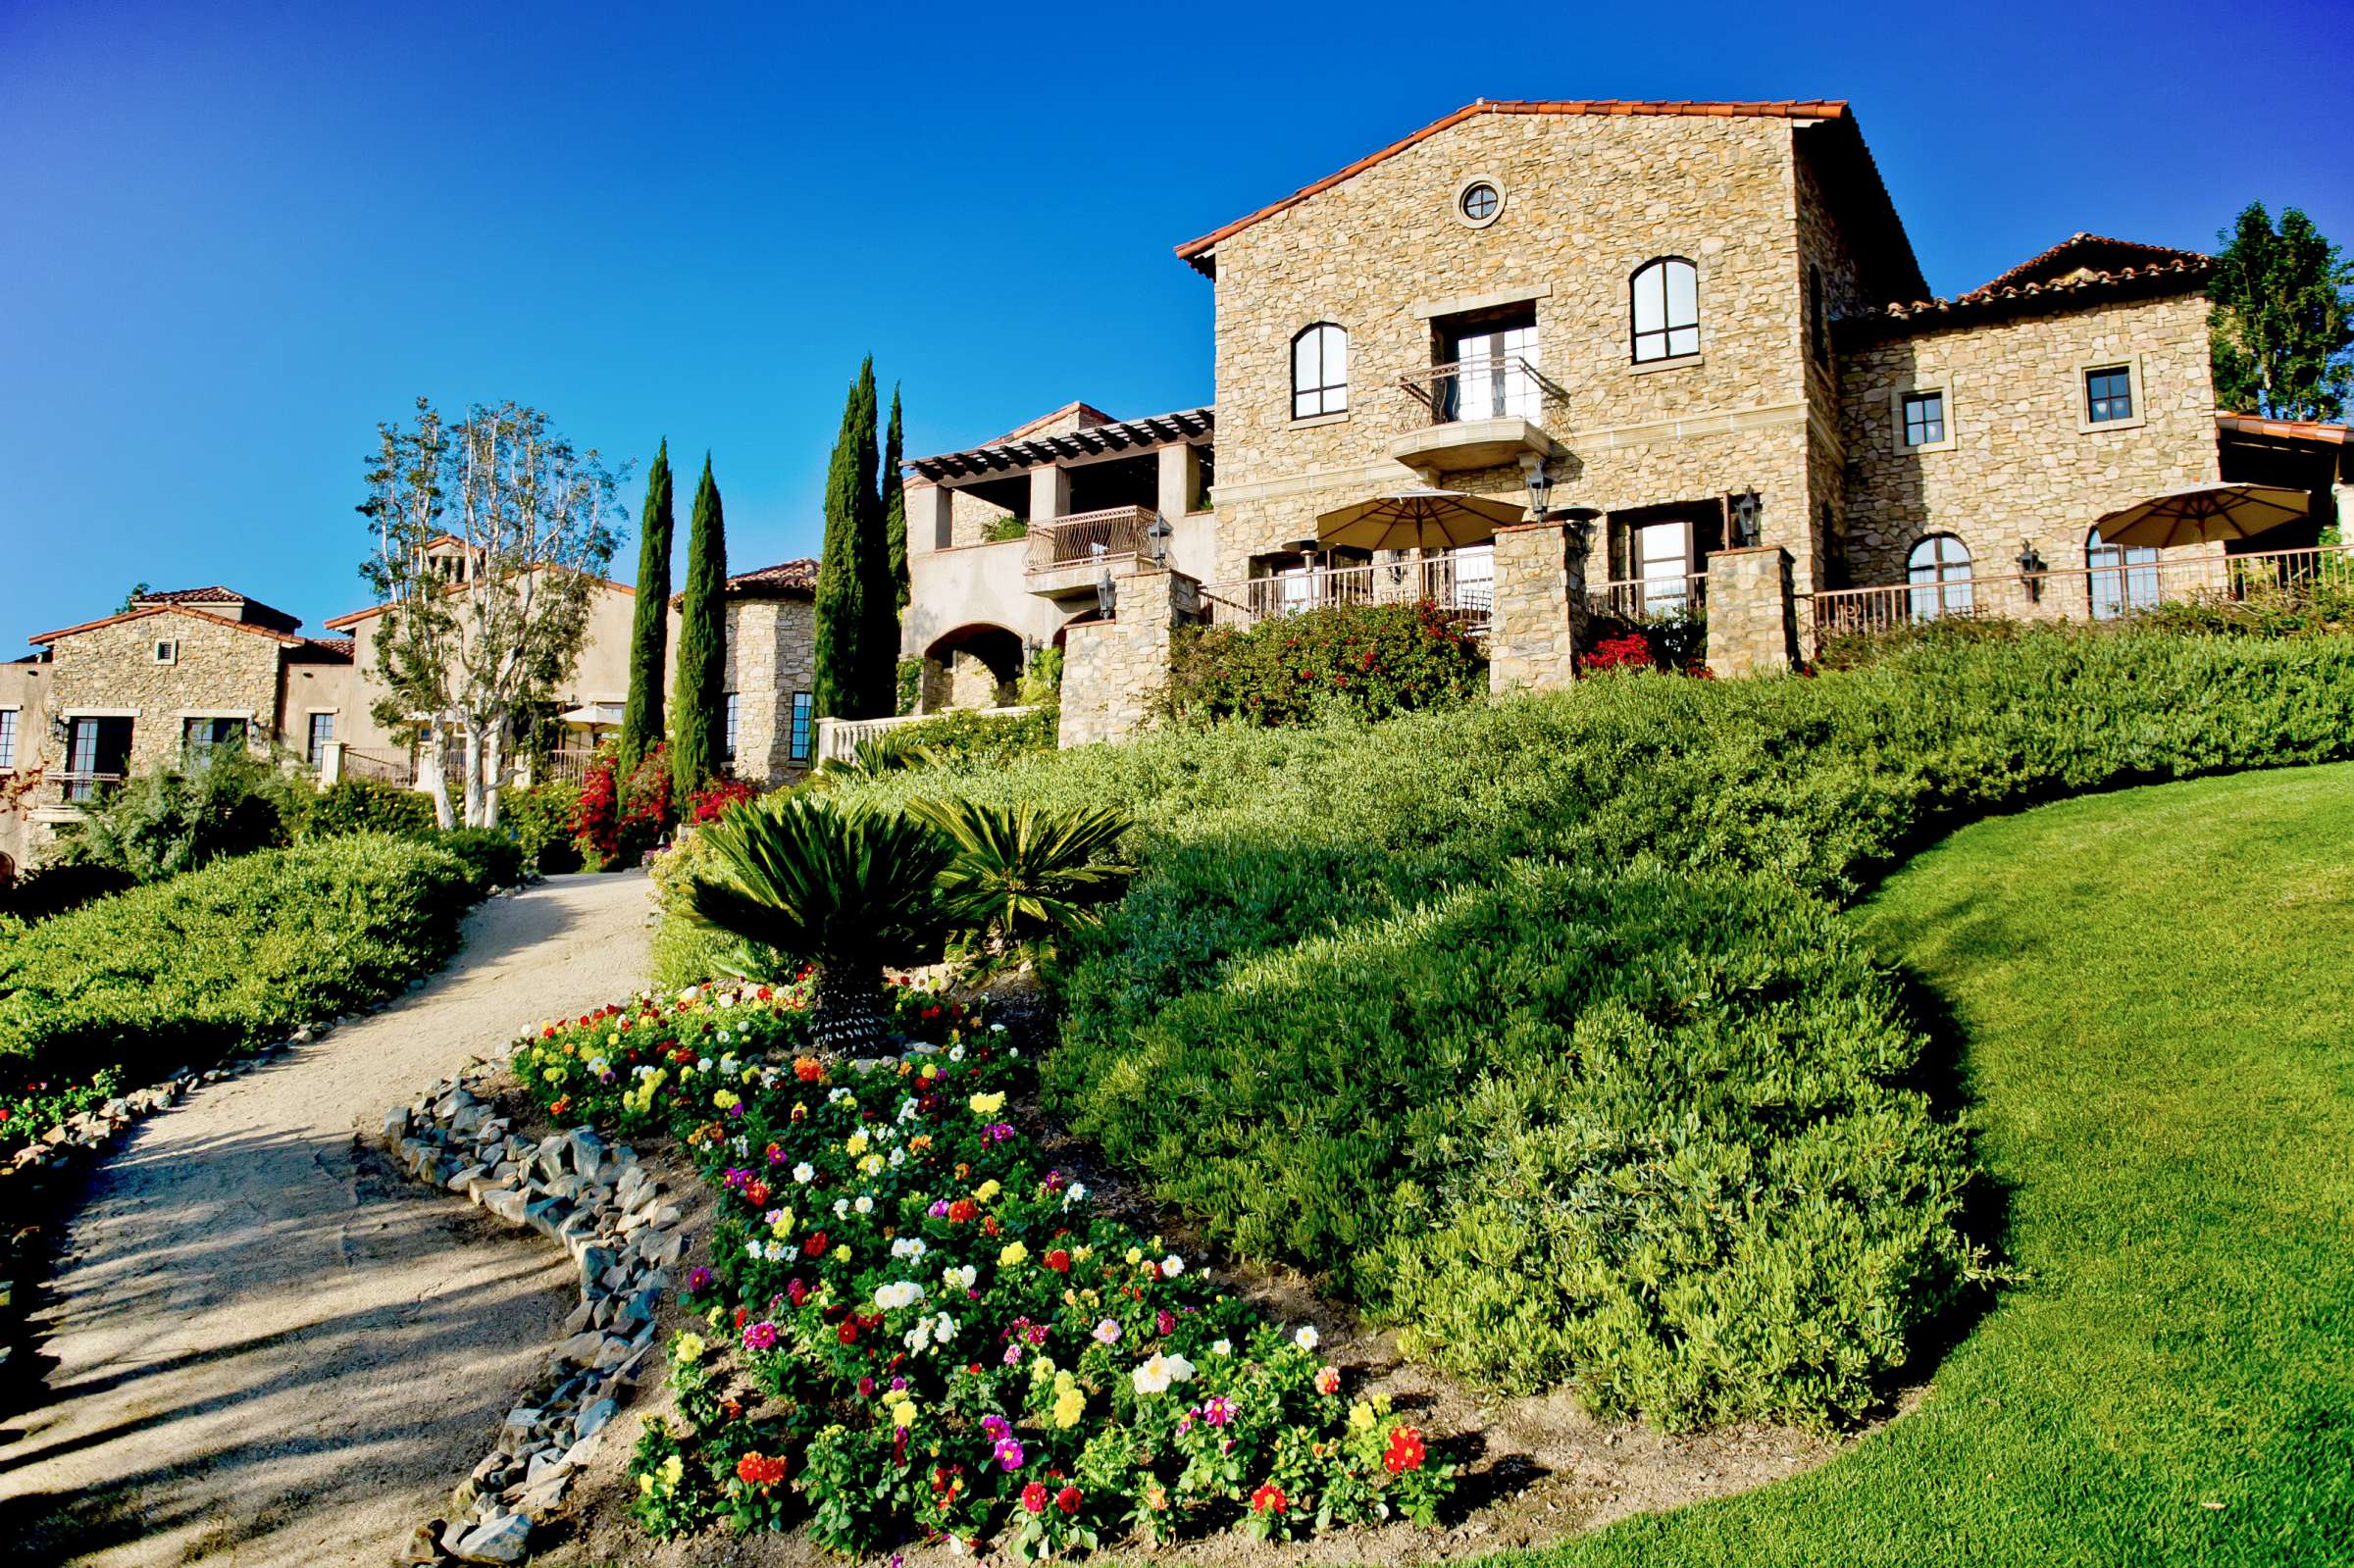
<point>727,745</point>
<point>1666,309</point>
<point>2107,394</point>
<point>1924,419</point>
<point>1319,372</point>
<point>8,738</point>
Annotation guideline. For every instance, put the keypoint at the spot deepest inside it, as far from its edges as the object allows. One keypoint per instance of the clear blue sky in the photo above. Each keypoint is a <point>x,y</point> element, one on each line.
<point>233,236</point>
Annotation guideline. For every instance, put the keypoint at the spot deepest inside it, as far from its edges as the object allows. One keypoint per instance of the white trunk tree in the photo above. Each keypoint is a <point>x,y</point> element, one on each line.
<point>490,533</point>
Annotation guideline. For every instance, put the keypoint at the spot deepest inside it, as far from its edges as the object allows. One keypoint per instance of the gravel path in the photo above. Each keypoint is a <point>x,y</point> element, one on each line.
<point>271,1349</point>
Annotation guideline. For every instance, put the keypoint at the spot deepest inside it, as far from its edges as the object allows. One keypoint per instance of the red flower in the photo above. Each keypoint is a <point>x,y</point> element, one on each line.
<point>1405,1452</point>
<point>756,1469</point>
<point>1034,1497</point>
<point>1269,1498</point>
<point>1059,1261</point>
<point>756,1194</point>
<point>815,1247</point>
<point>847,1331</point>
<point>808,1069</point>
<point>1067,1499</point>
<point>962,1210</point>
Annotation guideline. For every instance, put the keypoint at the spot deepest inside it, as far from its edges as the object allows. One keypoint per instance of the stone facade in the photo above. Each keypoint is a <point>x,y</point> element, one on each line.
<point>771,656</point>
<point>1113,670</point>
<point>2021,465</point>
<point>1753,628</point>
<point>1540,609</point>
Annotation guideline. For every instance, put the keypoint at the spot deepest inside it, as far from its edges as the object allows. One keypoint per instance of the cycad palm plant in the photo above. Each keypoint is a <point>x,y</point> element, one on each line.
<point>847,888</point>
<point>1024,875</point>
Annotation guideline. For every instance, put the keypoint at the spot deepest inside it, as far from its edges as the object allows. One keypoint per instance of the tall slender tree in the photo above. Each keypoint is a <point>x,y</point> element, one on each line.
<point>845,573</point>
<point>698,706</point>
<point>894,506</point>
<point>879,650</point>
<point>649,628</point>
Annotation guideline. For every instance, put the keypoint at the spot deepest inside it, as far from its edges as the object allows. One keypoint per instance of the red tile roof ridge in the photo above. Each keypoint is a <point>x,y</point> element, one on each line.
<point>284,638</point>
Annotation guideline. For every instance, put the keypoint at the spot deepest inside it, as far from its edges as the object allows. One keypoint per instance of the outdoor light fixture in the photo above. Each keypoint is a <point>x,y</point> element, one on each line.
<point>1540,490</point>
<point>1156,540</point>
<point>1581,521</point>
<point>1106,594</point>
<point>1745,520</point>
<point>2031,565</point>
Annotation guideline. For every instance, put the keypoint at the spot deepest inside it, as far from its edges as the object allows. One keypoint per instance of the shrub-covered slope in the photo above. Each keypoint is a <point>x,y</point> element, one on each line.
<point>1526,1024</point>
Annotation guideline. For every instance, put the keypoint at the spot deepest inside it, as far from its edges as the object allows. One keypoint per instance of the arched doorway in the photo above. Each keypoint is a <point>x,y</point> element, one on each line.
<point>973,666</point>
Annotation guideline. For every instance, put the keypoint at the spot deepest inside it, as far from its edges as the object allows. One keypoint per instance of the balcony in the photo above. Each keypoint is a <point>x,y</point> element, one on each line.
<point>1483,413</point>
<point>1068,554</point>
<point>1461,587</point>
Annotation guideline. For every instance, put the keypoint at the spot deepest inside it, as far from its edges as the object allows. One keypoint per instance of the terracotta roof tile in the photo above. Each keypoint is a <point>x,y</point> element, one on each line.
<point>2082,252</point>
<point>797,577</point>
<point>2185,275</point>
<point>281,638</point>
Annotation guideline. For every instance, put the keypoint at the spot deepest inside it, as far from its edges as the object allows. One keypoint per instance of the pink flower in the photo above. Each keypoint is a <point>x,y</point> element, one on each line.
<point>762,1335</point>
<point>1328,1380</point>
<point>1107,1331</point>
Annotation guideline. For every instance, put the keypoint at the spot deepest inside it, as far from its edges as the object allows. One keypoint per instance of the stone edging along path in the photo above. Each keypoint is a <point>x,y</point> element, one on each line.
<point>603,1208</point>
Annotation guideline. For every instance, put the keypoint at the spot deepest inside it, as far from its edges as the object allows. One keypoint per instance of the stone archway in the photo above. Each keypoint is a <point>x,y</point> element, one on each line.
<point>972,666</point>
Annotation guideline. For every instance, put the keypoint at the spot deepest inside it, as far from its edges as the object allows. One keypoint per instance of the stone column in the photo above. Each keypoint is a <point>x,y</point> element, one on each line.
<point>1112,669</point>
<point>1540,607</point>
<point>1180,475</point>
<point>1050,493</point>
<point>331,763</point>
<point>1753,621</point>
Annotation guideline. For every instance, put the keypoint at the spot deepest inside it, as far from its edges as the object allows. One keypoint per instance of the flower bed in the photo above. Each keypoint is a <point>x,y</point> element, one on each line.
<point>915,1331</point>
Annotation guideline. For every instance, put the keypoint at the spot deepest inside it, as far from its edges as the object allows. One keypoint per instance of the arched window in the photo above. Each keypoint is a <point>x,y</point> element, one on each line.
<point>1319,370</point>
<point>2118,578</point>
<point>1665,297</point>
<point>1939,571</point>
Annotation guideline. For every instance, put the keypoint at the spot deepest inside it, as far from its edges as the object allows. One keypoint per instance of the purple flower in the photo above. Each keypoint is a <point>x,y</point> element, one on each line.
<point>940,1208</point>
<point>996,1427</point>
<point>762,1335</point>
<point>1107,1331</point>
<point>699,1279</point>
<point>997,1133</point>
<point>1166,1323</point>
<point>1009,1454</point>
<point>1013,1355</point>
<point>1218,1411</point>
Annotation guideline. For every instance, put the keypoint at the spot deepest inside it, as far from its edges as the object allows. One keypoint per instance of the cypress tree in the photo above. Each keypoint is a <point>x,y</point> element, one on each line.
<point>846,571</point>
<point>879,648</point>
<point>696,712</point>
<point>649,626</point>
<point>894,508</point>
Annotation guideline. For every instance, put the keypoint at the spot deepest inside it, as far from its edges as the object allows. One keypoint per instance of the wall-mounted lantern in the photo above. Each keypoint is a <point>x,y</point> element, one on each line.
<point>1106,594</point>
<point>1540,490</point>
<point>2031,567</point>
<point>1746,507</point>
<point>1156,540</point>
<point>1581,521</point>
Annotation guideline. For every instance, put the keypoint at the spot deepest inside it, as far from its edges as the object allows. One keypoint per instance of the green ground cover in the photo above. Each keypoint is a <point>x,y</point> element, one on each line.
<point>2152,994</point>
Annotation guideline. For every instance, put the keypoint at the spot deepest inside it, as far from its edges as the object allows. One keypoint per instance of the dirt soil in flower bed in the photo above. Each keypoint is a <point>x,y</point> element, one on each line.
<point>1534,1469</point>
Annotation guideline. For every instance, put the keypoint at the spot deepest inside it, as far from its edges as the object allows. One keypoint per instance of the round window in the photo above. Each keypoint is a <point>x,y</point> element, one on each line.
<point>1479,201</point>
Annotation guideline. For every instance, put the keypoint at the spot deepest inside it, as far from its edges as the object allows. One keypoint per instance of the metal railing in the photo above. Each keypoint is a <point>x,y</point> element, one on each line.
<point>1634,598</point>
<point>384,767</point>
<point>1057,542</point>
<point>2085,593</point>
<point>837,739</point>
<point>76,786</point>
<point>570,764</point>
<point>1500,386</point>
<point>1460,589</point>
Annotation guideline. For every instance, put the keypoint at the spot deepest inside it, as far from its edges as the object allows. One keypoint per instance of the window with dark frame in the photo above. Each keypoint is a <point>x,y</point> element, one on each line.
<point>1938,569</point>
<point>1319,370</point>
<point>727,745</point>
<point>198,736</point>
<point>1480,201</point>
<point>1924,417</point>
<point>797,738</point>
<point>1664,305</point>
<point>322,731</point>
<point>8,738</point>
<point>2107,394</point>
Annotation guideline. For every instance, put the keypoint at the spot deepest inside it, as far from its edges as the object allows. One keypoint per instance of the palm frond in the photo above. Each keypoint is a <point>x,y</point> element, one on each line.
<point>1023,873</point>
<point>822,882</point>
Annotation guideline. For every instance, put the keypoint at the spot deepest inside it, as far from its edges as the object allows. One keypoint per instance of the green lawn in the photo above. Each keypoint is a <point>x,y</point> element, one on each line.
<point>2155,995</point>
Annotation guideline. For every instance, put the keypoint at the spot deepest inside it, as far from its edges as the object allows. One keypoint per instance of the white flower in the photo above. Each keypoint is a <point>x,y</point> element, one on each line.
<point>944,1328</point>
<point>898,1294</point>
<point>1222,1348</point>
<point>997,1028</point>
<point>899,1157</point>
<point>703,1066</point>
<point>1156,1375</point>
<point>727,999</point>
<point>841,1206</point>
<point>1306,1338</point>
<point>1172,1266</point>
<point>691,993</point>
<point>959,1277</point>
<point>837,1093</point>
<point>803,1172</point>
<point>866,1205</point>
<point>955,1053</point>
<point>1077,1194</point>
<point>908,1247</point>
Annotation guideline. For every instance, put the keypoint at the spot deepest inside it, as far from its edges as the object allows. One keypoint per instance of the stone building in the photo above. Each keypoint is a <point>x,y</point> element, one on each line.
<point>1681,332</point>
<point>771,671</point>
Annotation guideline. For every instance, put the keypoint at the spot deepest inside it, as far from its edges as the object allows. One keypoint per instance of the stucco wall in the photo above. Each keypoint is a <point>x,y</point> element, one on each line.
<point>2020,469</point>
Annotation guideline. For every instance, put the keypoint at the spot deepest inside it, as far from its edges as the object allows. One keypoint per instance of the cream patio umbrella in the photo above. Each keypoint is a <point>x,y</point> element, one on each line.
<point>1417,519</point>
<point>2203,513</point>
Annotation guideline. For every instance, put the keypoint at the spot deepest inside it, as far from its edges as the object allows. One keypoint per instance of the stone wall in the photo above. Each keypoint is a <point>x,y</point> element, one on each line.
<point>771,654</point>
<point>1752,627</point>
<point>1540,607</point>
<point>1586,201</point>
<point>2021,468</point>
<point>1113,670</point>
<point>219,671</point>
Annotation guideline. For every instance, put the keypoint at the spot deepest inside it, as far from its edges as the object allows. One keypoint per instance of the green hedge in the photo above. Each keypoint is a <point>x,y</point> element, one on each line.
<point>1371,661</point>
<point>1646,1127</point>
<point>225,958</point>
<point>367,805</point>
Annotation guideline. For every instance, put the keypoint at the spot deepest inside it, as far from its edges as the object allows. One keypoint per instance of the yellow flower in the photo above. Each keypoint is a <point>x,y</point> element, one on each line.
<point>1136,1254</point>
<point>841,1254</point>
<point>784,1226</point>
<point>1013,1256</point>
<point>646,1484</point>
<point>1070,1403</point>
<point>987,1191</point>
<point>554,1074</point>
<point>673,1468</point>
<point>1361,1416</point>
<point>987,1104</point>
<point>855,1143</point>
<point>687,1348</point>
<point>930,1072</point>
<point>872,1165</point>
<point>726,1101</point>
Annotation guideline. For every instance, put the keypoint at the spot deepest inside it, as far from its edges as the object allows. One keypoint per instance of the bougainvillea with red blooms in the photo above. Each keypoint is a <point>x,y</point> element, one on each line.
<point>1372,660</point>
<point>708,803</point>
<point>938,1332</point>
<point>596,822</point>
<point>1630,651</point>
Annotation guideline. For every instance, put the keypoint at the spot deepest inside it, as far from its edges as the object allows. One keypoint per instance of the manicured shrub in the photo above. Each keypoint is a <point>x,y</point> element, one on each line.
<point>367,805</point>
<point>50,890</point>
<point>190,814</point>
<point>1310,1021</point>
<point>540,820</point>
<point>492,856</point>
<point>184,971</point>
<point>1372,661</point>
<point>965,738</point>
